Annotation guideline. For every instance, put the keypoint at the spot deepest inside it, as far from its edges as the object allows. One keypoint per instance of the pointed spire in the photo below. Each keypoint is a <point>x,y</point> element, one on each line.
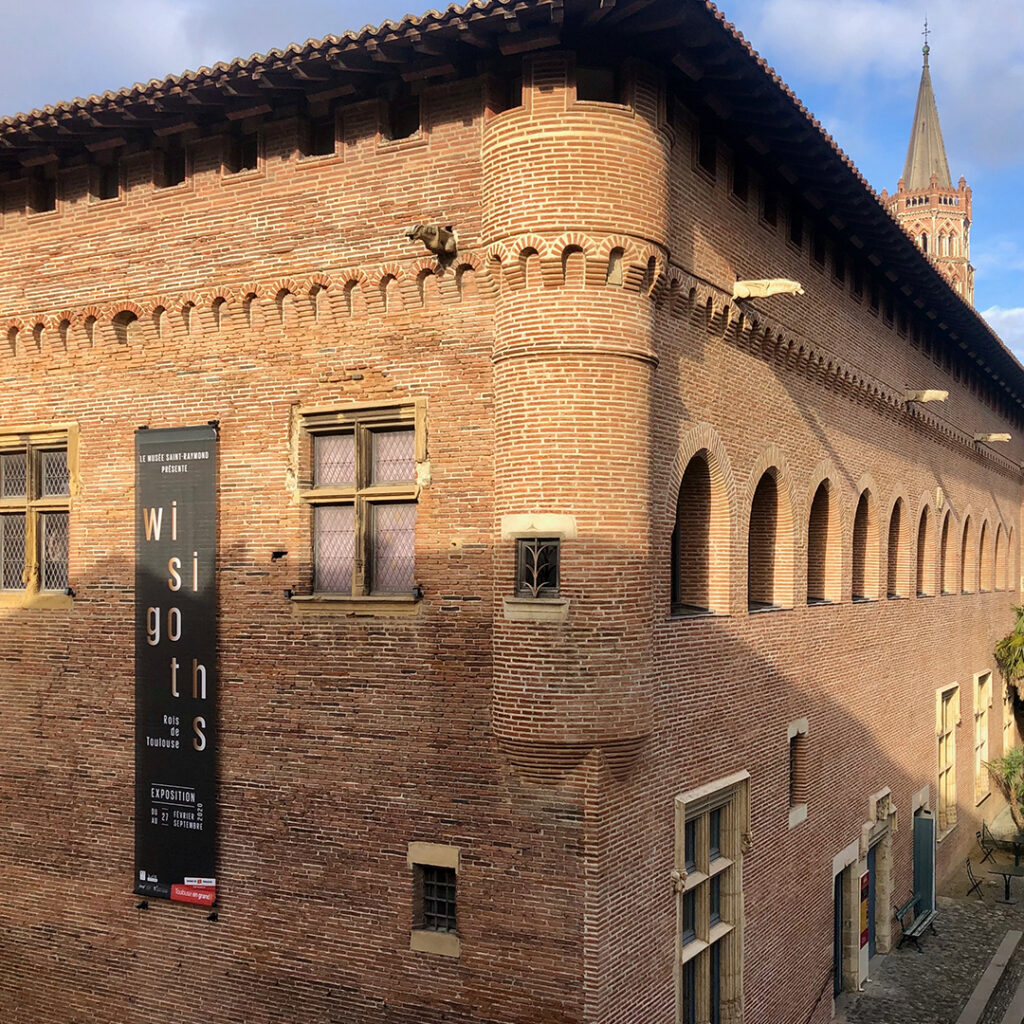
<point>926,154</point>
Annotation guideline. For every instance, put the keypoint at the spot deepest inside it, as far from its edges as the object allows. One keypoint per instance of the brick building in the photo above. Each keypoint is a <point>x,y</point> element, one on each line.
<point>588,637</point>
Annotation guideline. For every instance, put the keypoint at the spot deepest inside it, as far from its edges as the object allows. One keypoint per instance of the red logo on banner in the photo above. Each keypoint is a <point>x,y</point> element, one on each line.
<point>200,895</point>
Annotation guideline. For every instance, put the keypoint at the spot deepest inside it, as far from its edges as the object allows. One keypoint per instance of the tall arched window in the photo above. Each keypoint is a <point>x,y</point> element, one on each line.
<point>700,541</point>
<point>924,241</point>
<point>824,562</point>
<point>984,560</point>
<point>968,561</point>
<point>999,583</point>
<point>769,546</point>
<point>925,554</point>
<point>947,574</point>
<point>896,560</point>
<point>865,549</point>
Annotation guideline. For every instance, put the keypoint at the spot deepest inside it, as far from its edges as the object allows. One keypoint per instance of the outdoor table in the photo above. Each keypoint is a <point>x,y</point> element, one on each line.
<point>1008,871</point>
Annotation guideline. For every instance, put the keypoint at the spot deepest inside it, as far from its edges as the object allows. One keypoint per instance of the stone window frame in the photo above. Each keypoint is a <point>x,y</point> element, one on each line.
<point>947,718</point>
<point>34,439</point>
<point>516,527</point>
<point>360,417</point>
<point>423,940</point>
<point>982,704</point>
<point>694,882</point>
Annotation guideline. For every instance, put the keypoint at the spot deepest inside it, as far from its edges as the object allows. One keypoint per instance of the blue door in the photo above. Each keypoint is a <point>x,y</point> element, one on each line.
<point>924,860</point>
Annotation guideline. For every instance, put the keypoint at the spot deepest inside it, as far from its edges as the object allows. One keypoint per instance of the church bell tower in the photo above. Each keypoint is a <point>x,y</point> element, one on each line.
<point>927,206</point>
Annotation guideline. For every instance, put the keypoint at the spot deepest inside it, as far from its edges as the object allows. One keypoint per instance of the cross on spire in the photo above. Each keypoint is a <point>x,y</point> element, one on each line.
<point>926,48</point>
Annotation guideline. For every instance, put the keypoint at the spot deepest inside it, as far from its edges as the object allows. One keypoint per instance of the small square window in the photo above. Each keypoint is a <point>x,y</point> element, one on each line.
<point>320,136</point>
<point>42,192</point>
<point>172,167</point>
<point>537,566</point>
<point>107,180</point>
<point>599,85</point>
<point>403,117</point>
<point>242,153</point>
<point>740,180</point>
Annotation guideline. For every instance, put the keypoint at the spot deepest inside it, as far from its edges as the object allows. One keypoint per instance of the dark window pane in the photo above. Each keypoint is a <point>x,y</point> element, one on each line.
<point>796,225</point>
<point>13,475</point>
<point>394,455</point>
<point>707,149</point>
<point>172,171</point>
<point>54,540</point>
<point>334,459</point>
<point>740,180</point>
<point>12,552</point>
<point>690,845</point>
<point>54,476</point>
<point>394,533</point>
<point>42,193</point>
<point>108,181</point>
<point>770,200</point>
<point>243,153</point>
<point>537,566</point>
<point>404,117</point>
<point>715,899</point>
<point>715,833</point>
<point>335,539</point>
<point>689,925</point>
<point>438,899</point>
<point>715,978</point>
<point>690,992</point>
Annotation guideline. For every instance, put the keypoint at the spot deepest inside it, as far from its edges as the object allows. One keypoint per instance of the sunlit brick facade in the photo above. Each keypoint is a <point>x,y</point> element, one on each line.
<point>629,790</point>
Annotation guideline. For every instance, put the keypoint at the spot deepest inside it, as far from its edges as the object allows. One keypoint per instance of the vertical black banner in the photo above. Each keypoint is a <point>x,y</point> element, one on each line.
<point>176,664</point>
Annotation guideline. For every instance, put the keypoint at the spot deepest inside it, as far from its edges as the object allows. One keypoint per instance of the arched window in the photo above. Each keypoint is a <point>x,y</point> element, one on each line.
<point>968,561</point>
<point>925,554</point>
<point>984,560</point>
<point>769,546</point>
<point>700,542</point>
<point>896,562</point>
<point>999,583</point>
<point>824,562</point>
<point>865,550</point>
<point>924,241</point>
<point>947,574</point>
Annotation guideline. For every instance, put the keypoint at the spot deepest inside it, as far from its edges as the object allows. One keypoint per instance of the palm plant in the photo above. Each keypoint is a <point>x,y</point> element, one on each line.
<point>1009,651</point>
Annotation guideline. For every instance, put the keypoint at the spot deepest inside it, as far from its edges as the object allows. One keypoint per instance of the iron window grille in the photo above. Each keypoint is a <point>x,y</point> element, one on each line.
<point>435,890</point>
<point>35,505</point>
<point>360,481</point>
<point>537,566</point>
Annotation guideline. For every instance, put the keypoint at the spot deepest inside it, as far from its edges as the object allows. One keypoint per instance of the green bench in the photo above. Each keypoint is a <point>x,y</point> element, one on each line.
<point>919,922</point>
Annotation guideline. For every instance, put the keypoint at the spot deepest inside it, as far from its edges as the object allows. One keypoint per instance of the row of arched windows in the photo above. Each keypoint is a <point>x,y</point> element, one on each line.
<point>948,245</point>
<point>902,556</point>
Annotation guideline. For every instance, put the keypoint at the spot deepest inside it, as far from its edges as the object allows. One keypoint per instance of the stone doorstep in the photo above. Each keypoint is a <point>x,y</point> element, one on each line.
<point>983,991</point>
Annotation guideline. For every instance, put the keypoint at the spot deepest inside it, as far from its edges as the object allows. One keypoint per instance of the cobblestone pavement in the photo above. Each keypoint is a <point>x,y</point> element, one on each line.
<point>931,987</point>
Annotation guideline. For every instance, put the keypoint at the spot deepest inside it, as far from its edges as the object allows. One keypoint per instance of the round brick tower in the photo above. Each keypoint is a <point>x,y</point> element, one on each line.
<point>574,217</point>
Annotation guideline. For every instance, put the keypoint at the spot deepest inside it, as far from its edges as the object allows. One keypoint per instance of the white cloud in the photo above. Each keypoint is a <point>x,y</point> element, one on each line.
<point>1009,325</point>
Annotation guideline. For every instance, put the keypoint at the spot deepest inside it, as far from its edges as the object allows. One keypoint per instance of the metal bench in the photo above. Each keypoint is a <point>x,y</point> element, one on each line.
<point>919,924</point>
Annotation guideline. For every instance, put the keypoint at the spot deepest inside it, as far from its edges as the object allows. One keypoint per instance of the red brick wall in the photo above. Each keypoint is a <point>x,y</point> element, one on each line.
<point>581,351</point>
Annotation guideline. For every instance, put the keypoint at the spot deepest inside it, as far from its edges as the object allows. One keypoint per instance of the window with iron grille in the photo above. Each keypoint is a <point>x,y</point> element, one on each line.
<point>435,890</point>
<point>360,482</point>
<point>35,505</point>
<point>537,564</point>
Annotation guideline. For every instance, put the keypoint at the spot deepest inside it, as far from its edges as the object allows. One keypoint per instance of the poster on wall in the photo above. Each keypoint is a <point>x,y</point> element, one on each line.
<point>176,664</point>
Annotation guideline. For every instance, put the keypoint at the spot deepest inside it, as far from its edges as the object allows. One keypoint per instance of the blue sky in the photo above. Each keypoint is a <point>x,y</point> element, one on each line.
<point>855,64</point>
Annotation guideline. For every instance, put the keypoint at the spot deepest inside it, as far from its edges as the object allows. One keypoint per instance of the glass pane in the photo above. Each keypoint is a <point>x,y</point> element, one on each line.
<point>55,550</point>
<point>689,928</point>
<point>334,458</point>
<point>335,534</point>
<point>690,845</point>
<point>12,552</point>
<point>438,899</point>
<point>715,833</point>
<point>13,475</point>
<point>690,992</point>
<point>394,455</point>
<point>55,478</point>
<point>715,899</point>
<point>394,532</point>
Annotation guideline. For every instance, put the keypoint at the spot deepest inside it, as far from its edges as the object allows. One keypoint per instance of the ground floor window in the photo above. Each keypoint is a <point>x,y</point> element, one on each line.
<point>711,833</point>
